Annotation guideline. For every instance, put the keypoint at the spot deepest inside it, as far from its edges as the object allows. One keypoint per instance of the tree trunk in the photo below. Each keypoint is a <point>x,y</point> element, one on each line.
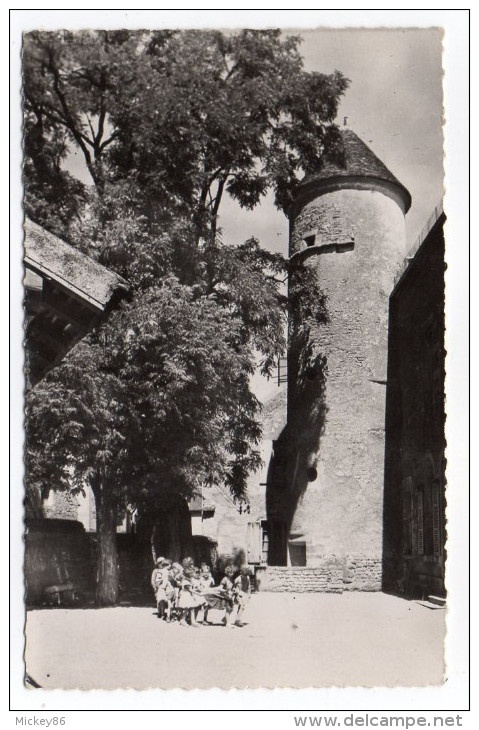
<point>107,565</point>
<point>168,530</point>
<point>152,544</point>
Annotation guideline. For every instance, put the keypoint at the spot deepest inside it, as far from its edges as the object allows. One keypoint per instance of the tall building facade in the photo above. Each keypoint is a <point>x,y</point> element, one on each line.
<point>415,484</point>
<point>325,493</point>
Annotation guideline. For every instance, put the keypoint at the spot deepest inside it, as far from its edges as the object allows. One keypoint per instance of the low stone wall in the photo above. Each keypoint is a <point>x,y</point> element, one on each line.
<point>332,575</point>
<point>57,552</point>
<point>60,551</point>
<point>362,573</point>
<point>326,578</point>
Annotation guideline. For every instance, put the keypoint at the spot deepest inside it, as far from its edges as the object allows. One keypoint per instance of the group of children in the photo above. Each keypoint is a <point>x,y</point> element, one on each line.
<point>187,593</point>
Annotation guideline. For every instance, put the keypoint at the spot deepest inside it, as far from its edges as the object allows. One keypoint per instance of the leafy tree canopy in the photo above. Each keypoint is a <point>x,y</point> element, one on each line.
<point>157,399</point>
<point>186,115</point>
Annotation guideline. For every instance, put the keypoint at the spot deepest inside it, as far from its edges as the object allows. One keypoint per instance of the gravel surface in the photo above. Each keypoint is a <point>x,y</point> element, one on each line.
<point>289,640</point>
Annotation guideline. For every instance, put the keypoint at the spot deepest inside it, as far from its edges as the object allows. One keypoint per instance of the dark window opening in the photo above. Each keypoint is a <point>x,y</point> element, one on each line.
<point>258,542</point>
<point>265,539</point>
<point>297,553</point>
<point>312,474</point>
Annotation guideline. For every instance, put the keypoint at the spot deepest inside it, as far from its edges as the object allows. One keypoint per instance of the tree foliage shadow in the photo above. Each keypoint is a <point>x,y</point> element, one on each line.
<point>293,467</point>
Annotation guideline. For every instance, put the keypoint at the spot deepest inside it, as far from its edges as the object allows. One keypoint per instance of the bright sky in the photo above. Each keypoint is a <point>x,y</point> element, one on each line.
<point>394,103</point>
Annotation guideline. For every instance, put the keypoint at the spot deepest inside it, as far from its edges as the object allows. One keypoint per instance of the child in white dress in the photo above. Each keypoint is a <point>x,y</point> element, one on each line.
<point>187,601</point>
<point>205,583</point>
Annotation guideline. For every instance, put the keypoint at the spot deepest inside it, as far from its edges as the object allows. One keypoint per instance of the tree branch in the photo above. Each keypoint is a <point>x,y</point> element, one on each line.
<point>108,141</point>
<point>70,121</point>
<point>102,115</point>
<point>91,126</point>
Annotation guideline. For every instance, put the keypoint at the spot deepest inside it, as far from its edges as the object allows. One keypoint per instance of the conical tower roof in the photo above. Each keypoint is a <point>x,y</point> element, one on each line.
<point>360,163</point>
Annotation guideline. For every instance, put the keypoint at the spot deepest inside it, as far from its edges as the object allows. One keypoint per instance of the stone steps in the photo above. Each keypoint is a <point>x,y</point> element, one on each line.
<point>433,602</point>
<point>440,600</point>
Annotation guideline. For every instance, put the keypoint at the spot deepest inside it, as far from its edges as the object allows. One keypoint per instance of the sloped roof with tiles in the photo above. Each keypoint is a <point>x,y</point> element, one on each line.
<point>47,255</point>
<point>360,162</point>
<point>66,295</point>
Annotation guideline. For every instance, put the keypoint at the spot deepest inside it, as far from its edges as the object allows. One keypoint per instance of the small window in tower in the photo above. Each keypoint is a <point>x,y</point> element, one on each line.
<point>312,474</point>
<point>310,239</point>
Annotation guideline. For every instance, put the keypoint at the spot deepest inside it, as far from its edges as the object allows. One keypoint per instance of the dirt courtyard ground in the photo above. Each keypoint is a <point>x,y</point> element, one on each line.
<point>289,640</point>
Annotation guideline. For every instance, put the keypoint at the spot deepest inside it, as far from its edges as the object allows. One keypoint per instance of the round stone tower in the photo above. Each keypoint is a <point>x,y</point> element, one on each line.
<point>347,226</point>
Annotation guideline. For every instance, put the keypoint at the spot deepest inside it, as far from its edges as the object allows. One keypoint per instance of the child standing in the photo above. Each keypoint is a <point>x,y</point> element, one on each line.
<point>221,598</point>
<point>205,583</point>
<point>175,576</point>
<point>242,592</point>
<point>197,593</point>
<point>226,585</point>
<point>205,579</point>
<point>187,601</point>
<point>162,587</point>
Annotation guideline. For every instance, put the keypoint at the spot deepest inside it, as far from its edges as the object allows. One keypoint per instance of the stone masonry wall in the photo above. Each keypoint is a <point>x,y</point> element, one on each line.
<point>58,552</point>
<point>362,573</point>
<point>327,578</point>
<point>333,485</point>
<point>332,575</point>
